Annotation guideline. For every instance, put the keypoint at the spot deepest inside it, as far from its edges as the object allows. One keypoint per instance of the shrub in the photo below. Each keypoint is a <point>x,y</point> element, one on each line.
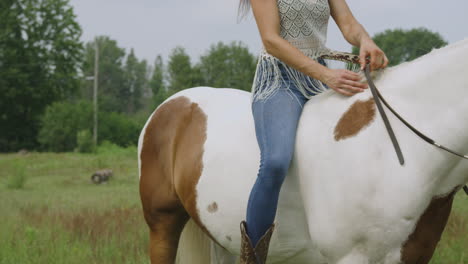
<point>84,141</point>
<point>119,129</point>
<point>61,122</point>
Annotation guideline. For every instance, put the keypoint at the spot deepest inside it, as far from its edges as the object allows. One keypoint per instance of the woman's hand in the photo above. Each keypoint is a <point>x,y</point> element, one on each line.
<point>357,36</point>
<point>344,82</point>
<point>378,60</point>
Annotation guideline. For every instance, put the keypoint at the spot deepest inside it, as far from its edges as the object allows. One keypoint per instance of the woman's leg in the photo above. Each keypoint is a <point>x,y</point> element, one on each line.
<point>276,120</point>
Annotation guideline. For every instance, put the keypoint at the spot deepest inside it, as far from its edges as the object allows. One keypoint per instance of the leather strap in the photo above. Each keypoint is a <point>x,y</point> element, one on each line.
<point>375,94</point>
<point>419,133</point>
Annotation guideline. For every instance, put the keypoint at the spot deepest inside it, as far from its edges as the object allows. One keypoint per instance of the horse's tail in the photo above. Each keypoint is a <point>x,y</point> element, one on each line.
<point>194,246</point>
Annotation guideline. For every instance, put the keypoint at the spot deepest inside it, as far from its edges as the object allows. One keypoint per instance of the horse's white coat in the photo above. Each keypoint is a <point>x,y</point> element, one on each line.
<point>346,202</point>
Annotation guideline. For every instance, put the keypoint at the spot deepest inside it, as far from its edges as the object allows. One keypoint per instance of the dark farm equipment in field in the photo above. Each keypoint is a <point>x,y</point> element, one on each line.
<point>101,176</point>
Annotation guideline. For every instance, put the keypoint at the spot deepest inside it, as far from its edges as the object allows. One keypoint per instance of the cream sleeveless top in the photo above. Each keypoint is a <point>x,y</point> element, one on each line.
<point>304,24</point>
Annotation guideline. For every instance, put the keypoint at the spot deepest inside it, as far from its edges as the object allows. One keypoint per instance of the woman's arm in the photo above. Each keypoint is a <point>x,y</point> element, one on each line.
<point>268,21</point>
<point>356,35</point>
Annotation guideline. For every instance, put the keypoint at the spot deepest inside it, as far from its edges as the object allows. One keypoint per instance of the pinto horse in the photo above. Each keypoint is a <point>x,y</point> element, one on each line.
<point>345,200</point>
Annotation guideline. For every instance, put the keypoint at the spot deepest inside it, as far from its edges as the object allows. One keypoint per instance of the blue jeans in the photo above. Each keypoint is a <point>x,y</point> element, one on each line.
<point>276,120</point>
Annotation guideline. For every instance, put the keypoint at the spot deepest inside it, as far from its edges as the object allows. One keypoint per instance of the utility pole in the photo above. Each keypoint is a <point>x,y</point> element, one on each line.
<point>95,93</point>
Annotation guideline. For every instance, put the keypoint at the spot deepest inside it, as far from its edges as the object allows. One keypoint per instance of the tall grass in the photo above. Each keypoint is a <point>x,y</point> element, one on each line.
<point>61,217</point>
<point>43,235</point>
<point>17,178</point>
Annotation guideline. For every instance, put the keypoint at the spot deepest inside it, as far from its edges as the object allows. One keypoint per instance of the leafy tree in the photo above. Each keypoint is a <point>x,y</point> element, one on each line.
<point>122,77</point>
<point>228,66</point>
<point>405,45</point>
<point>40,54</point>
<point>181,74</point>
<point>197,76</point>
<point>224,65</point>
<point>135,83</point>
<point>157,80</point>
<point>111,73</point>
<point>156,83</point>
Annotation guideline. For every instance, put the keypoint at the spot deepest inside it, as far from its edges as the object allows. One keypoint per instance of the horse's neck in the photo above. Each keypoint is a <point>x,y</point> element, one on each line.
<point>438,76</point>
<point>432,92</point>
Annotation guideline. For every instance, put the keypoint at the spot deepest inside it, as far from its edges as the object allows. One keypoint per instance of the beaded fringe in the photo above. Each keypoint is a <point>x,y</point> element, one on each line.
<point>269,77</point>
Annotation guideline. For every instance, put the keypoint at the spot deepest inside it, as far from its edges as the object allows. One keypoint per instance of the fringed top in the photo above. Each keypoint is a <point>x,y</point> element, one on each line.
<point>303,24</point>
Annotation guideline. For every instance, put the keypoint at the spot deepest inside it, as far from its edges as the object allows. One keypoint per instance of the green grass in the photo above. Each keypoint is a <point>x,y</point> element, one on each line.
<point>453,249</point>
<point>59,216</point>
<point>50,212</point>
<point>17,178</point>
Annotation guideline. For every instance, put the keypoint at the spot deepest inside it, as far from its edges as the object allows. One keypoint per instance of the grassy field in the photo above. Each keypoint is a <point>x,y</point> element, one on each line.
<point>50,212</point>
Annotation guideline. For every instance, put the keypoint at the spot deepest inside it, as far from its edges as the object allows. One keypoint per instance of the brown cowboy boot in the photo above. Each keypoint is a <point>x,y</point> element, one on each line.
<point>257,255</point>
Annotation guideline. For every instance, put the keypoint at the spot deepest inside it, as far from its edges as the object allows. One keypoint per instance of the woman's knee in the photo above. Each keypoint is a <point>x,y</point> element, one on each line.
<point>275,169</point>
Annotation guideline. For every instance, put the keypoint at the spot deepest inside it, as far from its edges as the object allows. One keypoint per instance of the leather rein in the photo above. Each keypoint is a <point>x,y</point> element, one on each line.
<point>352,58</point>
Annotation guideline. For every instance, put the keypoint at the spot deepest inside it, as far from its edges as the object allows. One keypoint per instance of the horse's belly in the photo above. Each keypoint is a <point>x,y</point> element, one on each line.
<point>231,160</point>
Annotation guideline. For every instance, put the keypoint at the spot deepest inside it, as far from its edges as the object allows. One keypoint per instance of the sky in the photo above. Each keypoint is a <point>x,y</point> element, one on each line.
<point>154,27</point>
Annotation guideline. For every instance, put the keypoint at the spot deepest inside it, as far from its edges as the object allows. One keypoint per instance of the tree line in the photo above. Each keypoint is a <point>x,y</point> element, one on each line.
<point>127,81</point>
<point>45,94</point>
<point>45,101</point>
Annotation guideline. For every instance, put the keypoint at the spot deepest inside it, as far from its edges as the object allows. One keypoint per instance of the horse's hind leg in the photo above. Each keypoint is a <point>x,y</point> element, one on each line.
<point>170,152</point>
<point>163,211</point>
<point>164,214</point>
<point>165,230</point>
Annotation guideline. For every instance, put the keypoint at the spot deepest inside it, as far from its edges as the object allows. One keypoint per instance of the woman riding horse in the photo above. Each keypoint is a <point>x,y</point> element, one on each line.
<point>288,74</point>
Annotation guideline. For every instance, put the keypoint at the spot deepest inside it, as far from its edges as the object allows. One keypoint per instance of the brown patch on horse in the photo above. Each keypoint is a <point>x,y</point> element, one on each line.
<point>163,211</point>
<point>188,148</point>
<point>422,242</point>
<point>171,164</point>
<point>213,208</point>
<point>358,116</point>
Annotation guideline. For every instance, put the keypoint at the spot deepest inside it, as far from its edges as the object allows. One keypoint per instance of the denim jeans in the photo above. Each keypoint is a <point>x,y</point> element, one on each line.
<point>276,120</point>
